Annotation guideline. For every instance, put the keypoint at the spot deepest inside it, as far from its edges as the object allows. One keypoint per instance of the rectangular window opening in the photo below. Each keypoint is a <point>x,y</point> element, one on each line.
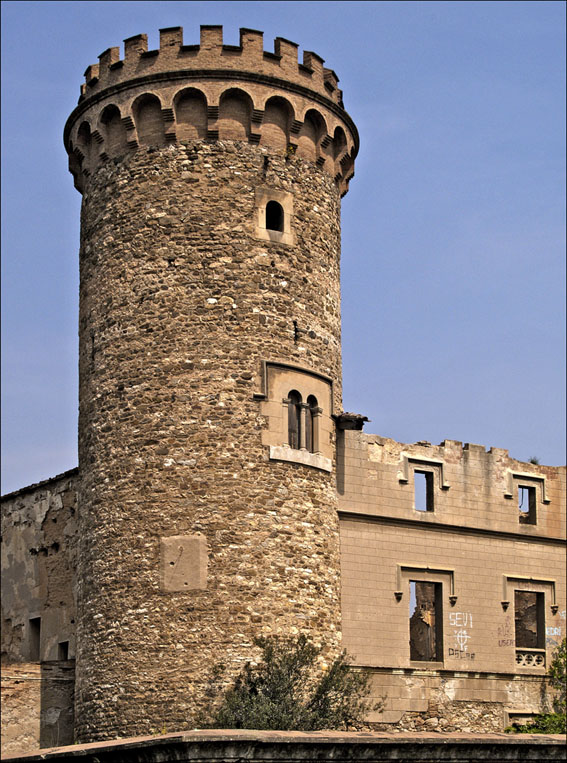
<point>426,621</point>
<point>63,650</point>
<point>34,638</point>
<point>527,504</point>
<point>423,490</point>
<point>529,615</point>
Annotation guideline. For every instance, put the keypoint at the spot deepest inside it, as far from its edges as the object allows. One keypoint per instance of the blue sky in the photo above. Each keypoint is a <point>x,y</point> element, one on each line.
<point>453,228</point>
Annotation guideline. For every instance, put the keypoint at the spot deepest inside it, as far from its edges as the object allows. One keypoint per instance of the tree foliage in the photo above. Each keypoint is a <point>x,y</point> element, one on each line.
<point>551,723</point>
<point>291,688</point>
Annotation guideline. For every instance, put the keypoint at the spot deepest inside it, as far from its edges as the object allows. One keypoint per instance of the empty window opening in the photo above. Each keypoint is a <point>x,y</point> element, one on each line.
<point>426,621</point>
<point>527,505</point>
<point>63,650</point>
<point>311,425</point>
<point>294,419</point>
<point>274,216</point>
<point>529,615</point>
<point>34,638</point>
<point>423,490</point>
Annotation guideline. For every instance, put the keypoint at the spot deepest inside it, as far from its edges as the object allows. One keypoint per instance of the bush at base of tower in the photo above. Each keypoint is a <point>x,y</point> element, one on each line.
<point>292,688</point>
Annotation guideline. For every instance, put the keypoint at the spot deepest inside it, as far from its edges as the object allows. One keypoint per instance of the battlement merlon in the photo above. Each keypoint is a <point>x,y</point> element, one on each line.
<point>211,53</point>
<point>111,118</point>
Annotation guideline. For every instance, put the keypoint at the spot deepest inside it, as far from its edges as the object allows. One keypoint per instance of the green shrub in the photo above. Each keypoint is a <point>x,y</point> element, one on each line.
<point>291,688</point>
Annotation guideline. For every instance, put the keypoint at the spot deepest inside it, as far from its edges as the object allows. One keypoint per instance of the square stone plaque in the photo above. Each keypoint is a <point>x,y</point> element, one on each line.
<point>184,562</point>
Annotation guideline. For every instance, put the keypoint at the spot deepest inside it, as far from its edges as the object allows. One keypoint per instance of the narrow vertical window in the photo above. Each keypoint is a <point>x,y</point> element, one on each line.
<point>423,490</point>
<point>312,424</point>
<point>294,419</point>
<point>529,616</point>
<point>426,621</point>
<point>274,216</point>
<point>63,650</point>
<point>34,638</point>
<point>527,505</point>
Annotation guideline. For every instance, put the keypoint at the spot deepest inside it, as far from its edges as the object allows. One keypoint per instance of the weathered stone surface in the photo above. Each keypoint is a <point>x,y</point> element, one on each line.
<point>229,746</point>
<point>180,305</point>
<point>37,706</point>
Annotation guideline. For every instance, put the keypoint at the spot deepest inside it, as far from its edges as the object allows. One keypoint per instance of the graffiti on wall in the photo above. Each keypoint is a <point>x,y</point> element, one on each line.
<point>462,623</point>
<point>552,636</point>
<point>506,636</point>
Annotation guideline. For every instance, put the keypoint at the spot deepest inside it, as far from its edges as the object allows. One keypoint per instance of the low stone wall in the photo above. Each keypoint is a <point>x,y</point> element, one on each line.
<point>283,746</point>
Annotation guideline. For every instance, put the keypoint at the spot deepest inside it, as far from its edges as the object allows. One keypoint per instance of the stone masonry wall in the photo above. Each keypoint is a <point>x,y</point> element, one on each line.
<point>180,304</point>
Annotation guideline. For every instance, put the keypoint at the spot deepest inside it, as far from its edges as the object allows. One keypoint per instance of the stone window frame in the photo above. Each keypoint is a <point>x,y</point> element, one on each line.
<point>300,413</point>
<point>523,579</point>
<point>403,570</point>
<point>263,195</point>
<point>445,576</point>
<point>408,465</point>
<point>516,478</point>
<point>548,587</point>
<point>536,485</point>
<point>284,452</point>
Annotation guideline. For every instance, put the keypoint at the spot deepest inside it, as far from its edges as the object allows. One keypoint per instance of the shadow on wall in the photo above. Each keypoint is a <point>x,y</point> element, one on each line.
<point>57,703</point>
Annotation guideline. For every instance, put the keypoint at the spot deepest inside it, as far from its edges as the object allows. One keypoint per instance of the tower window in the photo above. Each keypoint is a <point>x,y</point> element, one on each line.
<point>312,425</point>
<point>274,216</point>
<point>294,420</point>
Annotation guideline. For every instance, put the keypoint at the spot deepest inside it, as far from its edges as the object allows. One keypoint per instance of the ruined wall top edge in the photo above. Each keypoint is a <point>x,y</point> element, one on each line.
<point>456,449</point>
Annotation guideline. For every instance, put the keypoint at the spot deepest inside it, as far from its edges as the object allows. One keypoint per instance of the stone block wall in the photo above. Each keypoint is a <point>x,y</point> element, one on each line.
<point>469,541</point>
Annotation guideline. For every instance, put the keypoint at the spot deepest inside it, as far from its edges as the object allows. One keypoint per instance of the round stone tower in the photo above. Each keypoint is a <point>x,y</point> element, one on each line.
<point>210,366</point>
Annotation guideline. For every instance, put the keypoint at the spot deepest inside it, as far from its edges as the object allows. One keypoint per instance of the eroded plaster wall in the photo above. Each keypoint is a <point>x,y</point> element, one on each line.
<point>38,562</point>
<point>38,614</point>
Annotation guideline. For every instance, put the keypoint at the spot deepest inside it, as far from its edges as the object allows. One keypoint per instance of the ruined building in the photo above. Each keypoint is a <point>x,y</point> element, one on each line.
<point>222,492</point>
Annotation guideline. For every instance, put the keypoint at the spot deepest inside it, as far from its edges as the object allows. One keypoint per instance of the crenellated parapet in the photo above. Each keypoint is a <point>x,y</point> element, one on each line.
<point>211,91</point>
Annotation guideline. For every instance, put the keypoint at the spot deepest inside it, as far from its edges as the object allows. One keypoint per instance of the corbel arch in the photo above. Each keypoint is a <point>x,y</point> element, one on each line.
<point>113,131</point>
<point>313,130</point>
<point>235,114</point>
<point>278,117</point>
<point>190,107</point>
<point>148,118</point>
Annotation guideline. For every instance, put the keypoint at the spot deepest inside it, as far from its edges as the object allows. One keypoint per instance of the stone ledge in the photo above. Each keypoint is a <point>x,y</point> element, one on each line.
<point>285,453</point>
<point>288,746</point>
